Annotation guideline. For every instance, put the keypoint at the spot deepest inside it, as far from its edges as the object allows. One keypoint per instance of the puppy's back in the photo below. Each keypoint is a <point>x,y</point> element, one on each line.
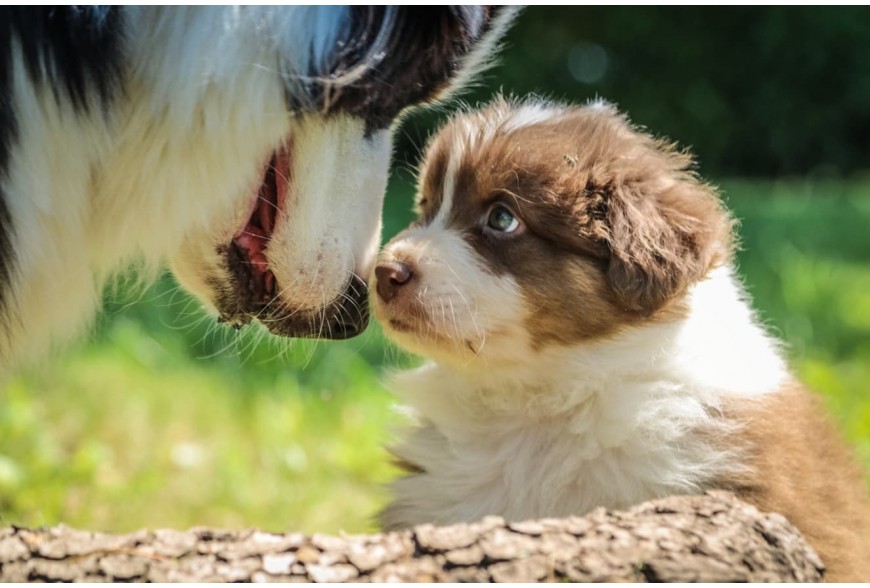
<point>624,362</point>
<point>800,467</point>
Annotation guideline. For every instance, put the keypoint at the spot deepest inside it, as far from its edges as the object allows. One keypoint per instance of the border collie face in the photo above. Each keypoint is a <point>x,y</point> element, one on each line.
<point>541,225</point>
<point>250,145</point>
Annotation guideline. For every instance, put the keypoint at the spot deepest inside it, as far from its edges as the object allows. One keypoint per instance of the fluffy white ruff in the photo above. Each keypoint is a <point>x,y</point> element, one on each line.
<point>608,423</point>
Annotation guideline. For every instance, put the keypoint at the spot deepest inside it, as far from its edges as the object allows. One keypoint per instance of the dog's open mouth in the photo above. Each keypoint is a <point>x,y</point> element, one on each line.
<point>253,291</point>
<point>250,244</point>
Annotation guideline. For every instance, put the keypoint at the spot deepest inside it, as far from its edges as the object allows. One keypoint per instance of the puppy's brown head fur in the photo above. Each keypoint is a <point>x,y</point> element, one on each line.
<point>611,228</point>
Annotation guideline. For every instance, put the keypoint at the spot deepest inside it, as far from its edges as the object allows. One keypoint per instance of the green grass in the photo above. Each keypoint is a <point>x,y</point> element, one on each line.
<point>127,433</point>
<point>163,419</point>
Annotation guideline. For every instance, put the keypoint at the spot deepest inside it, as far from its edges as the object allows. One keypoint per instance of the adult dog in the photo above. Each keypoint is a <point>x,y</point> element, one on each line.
<point>250,145</point>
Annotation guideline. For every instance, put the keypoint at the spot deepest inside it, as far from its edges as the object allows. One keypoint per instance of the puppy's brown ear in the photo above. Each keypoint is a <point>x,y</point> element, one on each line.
<point>667,230</point>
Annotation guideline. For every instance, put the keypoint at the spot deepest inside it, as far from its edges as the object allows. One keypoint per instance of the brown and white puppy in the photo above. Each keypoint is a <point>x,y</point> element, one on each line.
<point>571,281</point>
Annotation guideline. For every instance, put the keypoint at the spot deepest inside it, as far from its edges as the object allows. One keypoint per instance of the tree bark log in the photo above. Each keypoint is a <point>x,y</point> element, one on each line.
<point>710,538</point>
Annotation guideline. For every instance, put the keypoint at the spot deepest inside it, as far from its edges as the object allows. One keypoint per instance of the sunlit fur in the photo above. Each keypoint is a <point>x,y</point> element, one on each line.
<point>681,395</point>
<point>170,165</point>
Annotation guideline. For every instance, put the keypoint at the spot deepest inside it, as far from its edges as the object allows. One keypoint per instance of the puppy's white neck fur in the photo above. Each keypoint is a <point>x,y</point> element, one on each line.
<point>607,423</point>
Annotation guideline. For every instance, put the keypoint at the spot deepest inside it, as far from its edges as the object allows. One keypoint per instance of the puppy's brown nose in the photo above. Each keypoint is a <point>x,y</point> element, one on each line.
<point>391,276</point>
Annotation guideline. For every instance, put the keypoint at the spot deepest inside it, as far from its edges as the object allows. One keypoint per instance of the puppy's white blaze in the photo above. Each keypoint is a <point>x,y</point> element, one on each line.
<point>472,133</point>
<point>330,224</point>
<point>440,220</point>
<point>609,423</point>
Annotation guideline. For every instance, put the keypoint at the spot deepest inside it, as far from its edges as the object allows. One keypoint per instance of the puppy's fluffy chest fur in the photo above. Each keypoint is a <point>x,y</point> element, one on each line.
<point>611,423</point>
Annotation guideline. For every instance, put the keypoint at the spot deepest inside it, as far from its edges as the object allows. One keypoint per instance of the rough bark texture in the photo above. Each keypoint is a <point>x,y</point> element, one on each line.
<point>708,538</point>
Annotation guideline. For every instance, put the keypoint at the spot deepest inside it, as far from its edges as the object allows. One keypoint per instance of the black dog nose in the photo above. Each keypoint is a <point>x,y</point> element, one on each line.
<point>352,312</point>
<point>391,276</point>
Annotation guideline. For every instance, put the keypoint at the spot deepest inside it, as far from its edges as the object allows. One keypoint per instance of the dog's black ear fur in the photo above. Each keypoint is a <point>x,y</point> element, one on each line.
<point>408,55</point>
<point>665,233</point>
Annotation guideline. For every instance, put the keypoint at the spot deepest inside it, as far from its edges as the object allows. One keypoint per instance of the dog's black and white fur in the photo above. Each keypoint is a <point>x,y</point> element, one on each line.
<point>249,145</point>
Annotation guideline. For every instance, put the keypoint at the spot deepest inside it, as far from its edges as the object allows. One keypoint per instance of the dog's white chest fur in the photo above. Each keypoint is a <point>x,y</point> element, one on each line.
<point>609,423</point>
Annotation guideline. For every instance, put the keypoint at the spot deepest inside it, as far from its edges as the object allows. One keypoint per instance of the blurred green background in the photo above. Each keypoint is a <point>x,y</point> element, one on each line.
<point>163,418</point>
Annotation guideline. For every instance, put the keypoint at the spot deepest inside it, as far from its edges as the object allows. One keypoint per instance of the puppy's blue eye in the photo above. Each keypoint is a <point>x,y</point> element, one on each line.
<point>501,219</point>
